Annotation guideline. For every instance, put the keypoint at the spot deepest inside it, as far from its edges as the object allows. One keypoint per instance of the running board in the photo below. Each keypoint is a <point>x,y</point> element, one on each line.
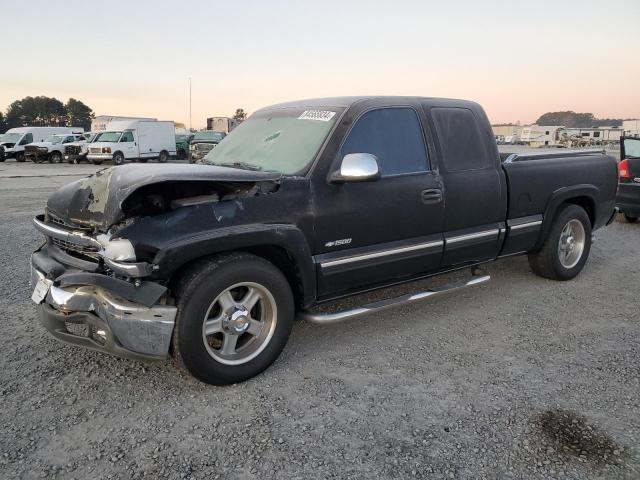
<point>477,277</point>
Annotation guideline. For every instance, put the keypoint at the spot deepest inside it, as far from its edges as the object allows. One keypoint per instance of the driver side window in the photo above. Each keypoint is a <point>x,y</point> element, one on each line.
<point>28,138</point>
<point>394,136</point>
<point>126,137</point>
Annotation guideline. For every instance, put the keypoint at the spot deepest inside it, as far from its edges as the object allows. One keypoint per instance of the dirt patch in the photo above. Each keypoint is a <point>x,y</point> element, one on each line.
<point>573,436</point>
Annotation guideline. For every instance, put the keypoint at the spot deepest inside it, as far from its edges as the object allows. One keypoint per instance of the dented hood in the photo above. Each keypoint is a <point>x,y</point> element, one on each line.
<point>97,200</point>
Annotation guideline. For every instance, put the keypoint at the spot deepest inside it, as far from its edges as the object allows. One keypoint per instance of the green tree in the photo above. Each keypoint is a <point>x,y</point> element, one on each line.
<point>78,114</point>
<point>240,115</point>
<point>38,111</point>
<point>3,124</point>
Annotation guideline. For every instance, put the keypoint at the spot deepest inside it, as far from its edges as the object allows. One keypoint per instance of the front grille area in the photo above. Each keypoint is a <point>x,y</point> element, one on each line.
<point>72,248</point>
<point>95,150</point>
<point>72,150</point>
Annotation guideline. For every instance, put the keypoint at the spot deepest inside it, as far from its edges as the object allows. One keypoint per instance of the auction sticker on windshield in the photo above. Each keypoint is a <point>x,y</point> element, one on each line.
<point>322,115</point>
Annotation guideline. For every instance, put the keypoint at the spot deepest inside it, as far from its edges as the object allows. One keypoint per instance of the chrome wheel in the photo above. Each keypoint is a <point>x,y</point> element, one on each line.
<point>571,243</point>
<point>239,323</point>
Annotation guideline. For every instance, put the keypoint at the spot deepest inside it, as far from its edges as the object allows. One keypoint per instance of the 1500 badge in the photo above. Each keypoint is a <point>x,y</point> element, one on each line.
<point>335,243</point>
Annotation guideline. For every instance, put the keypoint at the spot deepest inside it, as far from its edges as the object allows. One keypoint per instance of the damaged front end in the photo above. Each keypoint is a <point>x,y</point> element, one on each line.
<point>96,281</point>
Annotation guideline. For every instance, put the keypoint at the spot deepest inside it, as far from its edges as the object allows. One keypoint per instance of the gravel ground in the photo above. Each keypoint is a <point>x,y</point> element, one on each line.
<point>519,378</point>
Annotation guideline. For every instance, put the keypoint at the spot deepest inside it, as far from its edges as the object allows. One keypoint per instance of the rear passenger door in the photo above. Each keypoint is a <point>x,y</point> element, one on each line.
<point>474,187</point>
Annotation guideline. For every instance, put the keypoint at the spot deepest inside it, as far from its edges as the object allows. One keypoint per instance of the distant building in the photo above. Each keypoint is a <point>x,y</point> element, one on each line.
<point>99,123</point>
<point>221,124</point>
<point>631,127</point>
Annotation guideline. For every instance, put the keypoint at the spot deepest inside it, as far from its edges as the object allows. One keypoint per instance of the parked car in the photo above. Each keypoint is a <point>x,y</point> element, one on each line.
<point>137,140</point>
<point>76,152</point>
<point>628,199</point>
<point>202,143</point>
<point>303,203</point>
<point>13,142</point>
<point>52,149</point>
<point>182,145</point>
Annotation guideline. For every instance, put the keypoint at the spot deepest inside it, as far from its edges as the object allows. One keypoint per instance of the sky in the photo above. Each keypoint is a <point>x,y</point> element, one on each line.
<point>134,58</point>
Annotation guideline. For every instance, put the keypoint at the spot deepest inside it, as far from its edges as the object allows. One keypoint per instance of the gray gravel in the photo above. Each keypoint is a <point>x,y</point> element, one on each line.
<point>520,378</point>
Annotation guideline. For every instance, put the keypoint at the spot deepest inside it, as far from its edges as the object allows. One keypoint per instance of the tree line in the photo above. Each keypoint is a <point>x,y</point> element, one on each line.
<point>573,119</point>
<point>46,112</point>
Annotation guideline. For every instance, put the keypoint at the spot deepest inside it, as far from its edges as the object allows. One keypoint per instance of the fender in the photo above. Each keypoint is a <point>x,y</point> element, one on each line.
<point>560,196</point>
<point>288,237</point>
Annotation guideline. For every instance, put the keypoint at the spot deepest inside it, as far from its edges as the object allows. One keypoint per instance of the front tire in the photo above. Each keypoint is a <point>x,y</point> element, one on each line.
<point>567,246</point>
<point>630,218</point>
<point>55,157</point>
<point>118,158</point>
<point>235,314</point>
<point>20,157</point>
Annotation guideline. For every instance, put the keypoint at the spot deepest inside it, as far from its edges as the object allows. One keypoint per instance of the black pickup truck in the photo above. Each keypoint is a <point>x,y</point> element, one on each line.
<point>303,203</point>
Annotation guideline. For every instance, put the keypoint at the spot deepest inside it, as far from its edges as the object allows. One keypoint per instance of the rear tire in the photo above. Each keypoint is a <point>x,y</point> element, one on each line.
<point>567,246</point>
<point>630,219</point>
<point>118,158</point>
<point>164,157</point>
<point>203,300</point>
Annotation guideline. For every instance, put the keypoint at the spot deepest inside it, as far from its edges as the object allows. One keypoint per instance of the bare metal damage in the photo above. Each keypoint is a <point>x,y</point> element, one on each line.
<point>114,194</point>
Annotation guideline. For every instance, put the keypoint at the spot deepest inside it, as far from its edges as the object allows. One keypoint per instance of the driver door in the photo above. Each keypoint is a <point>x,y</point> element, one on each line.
<point>387,230</point>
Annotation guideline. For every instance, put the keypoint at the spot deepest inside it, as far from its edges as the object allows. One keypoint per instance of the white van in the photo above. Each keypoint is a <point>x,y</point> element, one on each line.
<point>137,140</point>
<point>12,142</point>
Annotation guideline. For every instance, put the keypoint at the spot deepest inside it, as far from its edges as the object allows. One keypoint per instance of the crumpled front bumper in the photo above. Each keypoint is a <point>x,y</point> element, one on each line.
<point>94,317</point>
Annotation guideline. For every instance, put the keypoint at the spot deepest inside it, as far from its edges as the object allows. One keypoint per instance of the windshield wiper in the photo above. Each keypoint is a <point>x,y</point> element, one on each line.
<point>242,165</point>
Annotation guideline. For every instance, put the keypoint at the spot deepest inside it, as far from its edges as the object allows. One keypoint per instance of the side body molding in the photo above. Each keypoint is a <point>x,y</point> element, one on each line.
<point>287,237</point>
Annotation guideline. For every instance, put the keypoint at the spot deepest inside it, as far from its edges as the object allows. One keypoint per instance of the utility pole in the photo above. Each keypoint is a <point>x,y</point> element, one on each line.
<point>189,104</point>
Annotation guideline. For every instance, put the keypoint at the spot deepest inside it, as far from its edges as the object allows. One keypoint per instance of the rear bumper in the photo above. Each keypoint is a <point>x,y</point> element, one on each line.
<point>628,198</point>
<point>91,316</point>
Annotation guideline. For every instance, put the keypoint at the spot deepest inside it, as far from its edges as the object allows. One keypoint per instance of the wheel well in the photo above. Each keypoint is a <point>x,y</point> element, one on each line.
<point>272,253</point>
<point>587,203</point>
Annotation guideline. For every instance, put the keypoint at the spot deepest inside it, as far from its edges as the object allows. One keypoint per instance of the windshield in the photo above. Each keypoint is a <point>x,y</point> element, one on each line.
<point>209,135</point>
<point>109,137</point>
<point>55,139</point>
<point>10,137</point>
<point>284,140</point>
<point>632,147</point>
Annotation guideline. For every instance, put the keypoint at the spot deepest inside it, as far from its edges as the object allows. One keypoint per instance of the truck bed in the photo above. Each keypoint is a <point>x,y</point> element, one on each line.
<point>536,179</point>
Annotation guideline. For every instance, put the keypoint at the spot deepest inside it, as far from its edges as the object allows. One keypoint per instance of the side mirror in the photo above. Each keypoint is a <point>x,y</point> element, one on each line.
<point>357,167</point>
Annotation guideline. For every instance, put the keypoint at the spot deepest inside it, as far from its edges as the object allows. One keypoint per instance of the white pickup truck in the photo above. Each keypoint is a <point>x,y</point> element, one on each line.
<point>52,149</point>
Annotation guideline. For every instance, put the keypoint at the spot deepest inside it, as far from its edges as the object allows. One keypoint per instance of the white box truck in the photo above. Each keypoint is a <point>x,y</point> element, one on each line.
<point>136,140</point>
<point>13,141</point>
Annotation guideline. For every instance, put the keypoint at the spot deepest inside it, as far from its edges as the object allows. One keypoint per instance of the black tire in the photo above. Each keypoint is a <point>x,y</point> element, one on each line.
<point>20,157</point>
<point>546,262</point>
<point>55,157</point>
<point>97,162</point>
<point>118,158</point>
<point>199,286</point>
<point>164,157</point>
<point>143,160</point>
<point>630,218</point>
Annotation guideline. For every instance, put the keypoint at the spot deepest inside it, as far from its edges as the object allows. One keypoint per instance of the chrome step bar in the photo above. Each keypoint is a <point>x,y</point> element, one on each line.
<point>478,276</point>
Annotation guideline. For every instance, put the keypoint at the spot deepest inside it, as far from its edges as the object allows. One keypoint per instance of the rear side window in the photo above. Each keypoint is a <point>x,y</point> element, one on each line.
<point>394,136</point>
<point>460,139</point>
